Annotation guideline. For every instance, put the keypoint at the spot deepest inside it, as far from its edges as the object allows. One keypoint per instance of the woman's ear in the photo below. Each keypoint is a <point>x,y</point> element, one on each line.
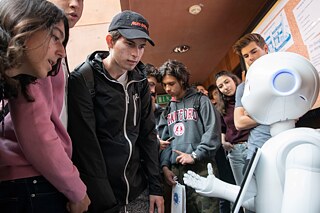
<point>109,41</point>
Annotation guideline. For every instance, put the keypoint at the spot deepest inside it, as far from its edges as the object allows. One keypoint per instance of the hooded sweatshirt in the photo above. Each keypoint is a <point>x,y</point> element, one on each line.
<point>196,133</point>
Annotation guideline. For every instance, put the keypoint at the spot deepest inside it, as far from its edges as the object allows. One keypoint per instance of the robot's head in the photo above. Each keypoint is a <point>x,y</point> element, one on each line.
<point>279,87</point>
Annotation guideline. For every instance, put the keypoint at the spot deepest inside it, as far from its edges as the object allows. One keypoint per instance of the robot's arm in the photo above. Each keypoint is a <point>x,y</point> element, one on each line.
<point>211,186</point>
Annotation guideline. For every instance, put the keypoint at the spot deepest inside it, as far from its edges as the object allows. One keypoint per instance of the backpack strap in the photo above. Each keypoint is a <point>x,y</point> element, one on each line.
<point>196,105</point>
<point>86,71</point>
<point>166,111</point>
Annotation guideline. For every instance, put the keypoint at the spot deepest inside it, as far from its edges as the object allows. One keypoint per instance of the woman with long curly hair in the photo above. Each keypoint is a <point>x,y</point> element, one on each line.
<point>33,42</point>
<point>36,171</point>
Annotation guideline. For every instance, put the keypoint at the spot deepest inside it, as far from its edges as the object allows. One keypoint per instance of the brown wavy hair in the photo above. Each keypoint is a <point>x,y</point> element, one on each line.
<point>20,19</point>
<point>246,39</point>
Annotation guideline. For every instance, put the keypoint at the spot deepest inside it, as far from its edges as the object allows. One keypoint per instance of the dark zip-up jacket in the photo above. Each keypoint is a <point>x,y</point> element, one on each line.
<point>113,135</point>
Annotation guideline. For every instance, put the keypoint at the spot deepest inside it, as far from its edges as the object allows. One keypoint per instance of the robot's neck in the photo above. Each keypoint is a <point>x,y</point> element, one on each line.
<point>281,126</point>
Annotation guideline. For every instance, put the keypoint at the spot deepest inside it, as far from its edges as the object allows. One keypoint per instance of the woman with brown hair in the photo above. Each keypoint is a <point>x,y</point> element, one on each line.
<point>233,141</point>
<point>36,171</point>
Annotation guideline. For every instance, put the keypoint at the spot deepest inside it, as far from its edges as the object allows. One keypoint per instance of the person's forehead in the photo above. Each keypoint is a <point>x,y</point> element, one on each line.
<point>222,78</point>
<point>59,27</point>
<point>152,78</point>
<point>169,78</point>
<point>252,45</point>
<point>137,41</point>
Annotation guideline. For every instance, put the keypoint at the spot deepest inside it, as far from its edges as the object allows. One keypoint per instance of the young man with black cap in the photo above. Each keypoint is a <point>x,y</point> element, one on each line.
<point>113,128</point>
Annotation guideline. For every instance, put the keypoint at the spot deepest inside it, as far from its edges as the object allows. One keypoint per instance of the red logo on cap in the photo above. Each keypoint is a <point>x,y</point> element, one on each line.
<point>135,23</point>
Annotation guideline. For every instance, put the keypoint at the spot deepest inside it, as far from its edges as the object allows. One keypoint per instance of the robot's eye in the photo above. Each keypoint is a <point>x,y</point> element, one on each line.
<point>285,82</point>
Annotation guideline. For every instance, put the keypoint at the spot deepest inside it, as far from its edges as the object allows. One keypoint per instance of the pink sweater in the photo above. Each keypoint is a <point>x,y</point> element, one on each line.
<point>44,146</point>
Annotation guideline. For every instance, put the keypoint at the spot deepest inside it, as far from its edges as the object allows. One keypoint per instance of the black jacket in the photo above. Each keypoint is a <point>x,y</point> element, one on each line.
<point>113,133</point>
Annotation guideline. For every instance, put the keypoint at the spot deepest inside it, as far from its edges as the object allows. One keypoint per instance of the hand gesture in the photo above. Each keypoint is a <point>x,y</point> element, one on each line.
<point>203,186</point>
<point>183,158</point>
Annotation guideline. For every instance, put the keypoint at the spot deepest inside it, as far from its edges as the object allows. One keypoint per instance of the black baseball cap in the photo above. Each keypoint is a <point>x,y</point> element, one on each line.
<point>131,25</point>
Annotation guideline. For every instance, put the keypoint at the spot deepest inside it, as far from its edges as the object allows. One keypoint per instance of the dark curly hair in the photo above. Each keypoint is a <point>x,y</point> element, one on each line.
<point>151,71</point>
<point>20,19</point>
<point>177,70</point>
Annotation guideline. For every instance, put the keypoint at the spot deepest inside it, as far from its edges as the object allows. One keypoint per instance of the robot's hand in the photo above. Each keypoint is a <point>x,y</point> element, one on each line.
<point>203,186</point>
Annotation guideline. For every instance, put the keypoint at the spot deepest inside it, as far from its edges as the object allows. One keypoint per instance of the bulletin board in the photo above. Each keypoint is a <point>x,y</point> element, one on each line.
<point>294,26</point>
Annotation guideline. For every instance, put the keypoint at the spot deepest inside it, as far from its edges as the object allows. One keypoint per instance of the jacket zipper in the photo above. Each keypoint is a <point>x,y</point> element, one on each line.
<point>129,142</point>
<point>125,88</point>
<point>135,99</point>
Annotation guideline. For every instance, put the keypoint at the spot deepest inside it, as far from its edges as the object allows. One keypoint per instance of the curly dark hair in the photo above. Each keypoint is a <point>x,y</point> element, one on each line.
<point>177,70</point>
<point>5,81</point>
<point>220,103</point>
<point>151,71</point>
<point>20,19</point>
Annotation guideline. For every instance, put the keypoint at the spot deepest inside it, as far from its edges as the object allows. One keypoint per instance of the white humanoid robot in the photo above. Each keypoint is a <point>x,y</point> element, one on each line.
<point>285,174</point>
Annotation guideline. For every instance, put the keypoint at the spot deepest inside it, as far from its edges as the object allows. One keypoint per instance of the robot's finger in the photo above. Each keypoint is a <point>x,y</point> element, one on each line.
<point>210,170</point>
<point>190,172</point>
<point>188,180</point>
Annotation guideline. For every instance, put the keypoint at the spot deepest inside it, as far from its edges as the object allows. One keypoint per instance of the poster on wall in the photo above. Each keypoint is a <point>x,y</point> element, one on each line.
<point>308,21</point>
<point>314,53</point>
<point>277,33</point>
<point>275,29</point>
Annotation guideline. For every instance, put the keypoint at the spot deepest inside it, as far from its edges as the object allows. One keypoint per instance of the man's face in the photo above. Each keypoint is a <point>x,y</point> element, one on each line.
<point>152,85</point>
<point>72,8</point>
<point>215,96</point>
<point>252,52</point>
<point>173,87</point>
<point>125,53</point>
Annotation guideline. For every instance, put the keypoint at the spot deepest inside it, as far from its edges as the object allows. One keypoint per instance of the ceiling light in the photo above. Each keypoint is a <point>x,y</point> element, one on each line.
<point>195,9</point>
<point>181,49</point>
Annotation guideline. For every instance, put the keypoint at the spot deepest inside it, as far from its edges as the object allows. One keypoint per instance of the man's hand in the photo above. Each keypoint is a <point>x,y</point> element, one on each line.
<point>169,176</point>
<point>157,201</point>
<point>183,158</point>
<point>79,207</point>
<point>163,144</point>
